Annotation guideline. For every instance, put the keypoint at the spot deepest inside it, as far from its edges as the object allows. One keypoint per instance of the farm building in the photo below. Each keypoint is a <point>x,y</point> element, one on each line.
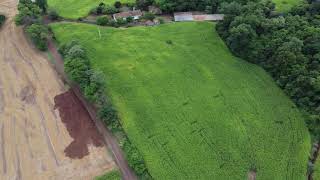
<point>136,14</point>
<point>183,16</point>
<point>192,16</point>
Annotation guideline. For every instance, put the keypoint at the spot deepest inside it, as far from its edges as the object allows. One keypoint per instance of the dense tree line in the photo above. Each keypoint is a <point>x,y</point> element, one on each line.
<point>92,84</point>
<point>286,45</point>
<point>184,5</point>
<point>30,15</point>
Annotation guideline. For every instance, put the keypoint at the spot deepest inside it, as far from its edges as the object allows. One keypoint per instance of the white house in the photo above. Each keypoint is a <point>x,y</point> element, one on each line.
<point>136,14</point>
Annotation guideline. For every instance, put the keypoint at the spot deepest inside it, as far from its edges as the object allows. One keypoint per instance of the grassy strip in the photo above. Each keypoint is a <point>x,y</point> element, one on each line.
<point>112,175</point>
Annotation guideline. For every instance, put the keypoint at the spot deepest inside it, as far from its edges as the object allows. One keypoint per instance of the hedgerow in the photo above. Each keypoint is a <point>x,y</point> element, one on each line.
<point>29,15</point>
<point>78,69</point>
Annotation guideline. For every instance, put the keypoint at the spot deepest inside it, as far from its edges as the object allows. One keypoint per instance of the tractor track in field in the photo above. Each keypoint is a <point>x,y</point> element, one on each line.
<point>33,136</point>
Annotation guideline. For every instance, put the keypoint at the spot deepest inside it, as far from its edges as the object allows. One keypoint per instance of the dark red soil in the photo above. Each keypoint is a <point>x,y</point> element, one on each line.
<point>78,123</point>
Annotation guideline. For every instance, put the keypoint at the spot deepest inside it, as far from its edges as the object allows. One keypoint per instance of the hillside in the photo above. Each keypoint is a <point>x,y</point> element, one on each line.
<point>194,110</point>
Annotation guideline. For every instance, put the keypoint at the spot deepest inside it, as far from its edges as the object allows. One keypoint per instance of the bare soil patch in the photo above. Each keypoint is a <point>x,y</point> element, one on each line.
<point>78,123</point>
<point>252,175</point>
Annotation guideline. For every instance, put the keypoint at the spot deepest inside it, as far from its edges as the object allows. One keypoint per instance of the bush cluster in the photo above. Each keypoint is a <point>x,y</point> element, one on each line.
<point>104,9</point>
<point>149,16</point>
<point>30,16</point>
<point>189,5</point>
<point>287,46</point>
<point>2,19</point>
<point>53,15</point>
<point>38,34</point>
<point>92,84</point>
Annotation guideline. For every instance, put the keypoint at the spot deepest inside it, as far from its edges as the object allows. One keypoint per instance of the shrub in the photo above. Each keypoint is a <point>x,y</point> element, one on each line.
<point>109,116</point>
<point>100,8</point>
<point>95,91</point>
<point>39,35</point>
<point>102,21</point>
<point>134,158</point>
<point>76,51</point>
<point>29,13</point>
<point>2,19</point>
<point>53,15</point>
<point>161,20</point>
<point>110,10</point>
<point>77,70</point>
<point>121,21</point>
<point>117,4</point>
<point>149,16</point>
<point>144,4</point>
<point>64,48</point>
<point>130,19</point>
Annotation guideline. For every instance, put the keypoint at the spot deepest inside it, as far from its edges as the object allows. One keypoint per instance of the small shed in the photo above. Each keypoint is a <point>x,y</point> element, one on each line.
<point>208,17</point>
<point>196,16</point>
<point>136,14</point>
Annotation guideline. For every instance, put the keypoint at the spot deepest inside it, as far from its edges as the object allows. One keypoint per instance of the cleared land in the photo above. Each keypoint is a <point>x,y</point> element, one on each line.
<point>194,110</point>
<point>74,8</point>
<point>34,140</point>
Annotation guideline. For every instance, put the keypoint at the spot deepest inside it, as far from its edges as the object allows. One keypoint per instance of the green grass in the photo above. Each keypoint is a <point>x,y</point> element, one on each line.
<point>316,173</point>
<point>194,110</point>
<point>112,175</point>
<point>285,5</point>
<point>74,8</point>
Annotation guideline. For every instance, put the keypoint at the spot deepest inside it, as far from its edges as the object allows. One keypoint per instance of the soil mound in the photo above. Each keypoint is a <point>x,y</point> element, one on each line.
<point>78,123</point>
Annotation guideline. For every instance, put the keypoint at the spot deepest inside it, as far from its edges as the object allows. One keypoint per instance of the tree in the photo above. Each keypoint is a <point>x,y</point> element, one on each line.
<point>94,91</point>
<point>240,38</point>
<point>102,21</point>
<point>29,13</point>
<point>42,4</point>
<point>39,35</point>
<point>53,15</point>
<point>117,4</point>
<point>77,70</point>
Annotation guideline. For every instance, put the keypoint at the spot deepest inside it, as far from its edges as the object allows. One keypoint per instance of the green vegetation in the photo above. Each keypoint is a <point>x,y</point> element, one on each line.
<point>38,34</point>
<point>285,5</point>
<point>193,110</point>
<point>112,175</point>
<point>287,46</point>
<point>30,16</point>
<point>2,19</point>
<point>316,173</point>
<point>74,8</point>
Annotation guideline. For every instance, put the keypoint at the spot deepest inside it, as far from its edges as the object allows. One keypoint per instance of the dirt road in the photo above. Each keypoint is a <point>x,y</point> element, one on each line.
<point>33,137</point>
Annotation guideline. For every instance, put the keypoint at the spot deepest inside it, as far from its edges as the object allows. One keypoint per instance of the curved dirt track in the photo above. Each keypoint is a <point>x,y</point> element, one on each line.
<point>33,137</point>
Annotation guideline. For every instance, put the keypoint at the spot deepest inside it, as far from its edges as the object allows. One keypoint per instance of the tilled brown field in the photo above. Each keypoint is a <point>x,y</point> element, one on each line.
<point>35,142</point>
